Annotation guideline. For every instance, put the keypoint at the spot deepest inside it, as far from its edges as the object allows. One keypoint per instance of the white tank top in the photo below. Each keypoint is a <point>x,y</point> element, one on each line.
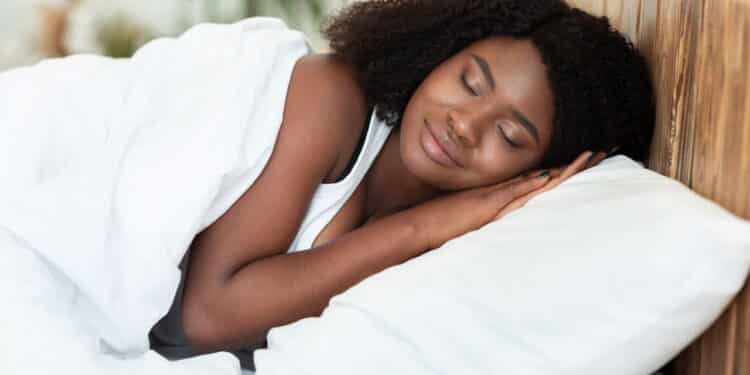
<point>167,336</point>
<point>329,198</point>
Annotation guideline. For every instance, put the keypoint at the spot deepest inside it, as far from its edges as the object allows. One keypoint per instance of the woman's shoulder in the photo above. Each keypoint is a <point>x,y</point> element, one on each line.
<point>325,95</point>
<point>332,81</point>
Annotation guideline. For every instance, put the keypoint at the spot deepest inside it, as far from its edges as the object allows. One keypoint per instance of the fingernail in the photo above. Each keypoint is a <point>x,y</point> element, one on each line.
<point>613,150</point>
<point>543,174</point>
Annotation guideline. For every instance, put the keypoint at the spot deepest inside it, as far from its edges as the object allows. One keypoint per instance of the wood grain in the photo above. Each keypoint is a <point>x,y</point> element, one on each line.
<point>698,51</point>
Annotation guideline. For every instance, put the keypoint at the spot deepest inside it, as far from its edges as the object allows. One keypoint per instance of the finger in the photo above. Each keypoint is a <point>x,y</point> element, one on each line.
<point>516,204</point>
<point>553,173</point>
<point>572,168</point>
<point>523,176</point>
<point>552,183</point>
<point>556,172</point>
<point>522,200</point>
<point>596,159</point>
<point>519,178</point>
<point>535,172</point>
<point>576,166</point>
<point>509,208</point>
<point>488,189</point>
<point>522,187</point>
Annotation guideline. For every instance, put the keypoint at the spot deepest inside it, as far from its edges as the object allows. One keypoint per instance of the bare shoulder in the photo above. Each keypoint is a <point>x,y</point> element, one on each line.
<point>322,119</point>
<point>325,96</point>
<point>322,104</point>
<point>324,85</point>
<point>332,75</point>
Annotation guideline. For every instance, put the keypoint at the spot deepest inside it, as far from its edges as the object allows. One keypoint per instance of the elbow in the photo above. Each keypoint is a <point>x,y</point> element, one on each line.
<point>201,330</point>
<point>209,328</point>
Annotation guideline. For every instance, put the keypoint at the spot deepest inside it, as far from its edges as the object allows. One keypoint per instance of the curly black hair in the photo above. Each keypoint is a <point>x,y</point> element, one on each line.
<point>601,83</point>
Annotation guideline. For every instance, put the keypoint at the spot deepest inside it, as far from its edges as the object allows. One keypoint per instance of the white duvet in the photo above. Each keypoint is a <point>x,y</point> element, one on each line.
<point>108,168</point>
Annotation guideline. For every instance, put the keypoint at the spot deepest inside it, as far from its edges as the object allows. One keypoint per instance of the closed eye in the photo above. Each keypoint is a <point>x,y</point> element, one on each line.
<point>467,86</point>
<point>507,139</point>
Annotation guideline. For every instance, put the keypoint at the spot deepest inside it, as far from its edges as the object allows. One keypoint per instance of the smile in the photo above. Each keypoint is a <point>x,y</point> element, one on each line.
<point>436,150</point>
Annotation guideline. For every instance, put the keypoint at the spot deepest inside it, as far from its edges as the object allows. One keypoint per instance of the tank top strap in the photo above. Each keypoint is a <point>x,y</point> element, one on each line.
<point>329,198</point>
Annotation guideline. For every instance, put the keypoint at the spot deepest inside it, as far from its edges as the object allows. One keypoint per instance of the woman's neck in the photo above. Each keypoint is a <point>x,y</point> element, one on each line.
<point>390,186</point>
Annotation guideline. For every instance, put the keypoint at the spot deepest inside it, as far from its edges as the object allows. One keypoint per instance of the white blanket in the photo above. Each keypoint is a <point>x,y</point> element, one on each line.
<point>108,169</point>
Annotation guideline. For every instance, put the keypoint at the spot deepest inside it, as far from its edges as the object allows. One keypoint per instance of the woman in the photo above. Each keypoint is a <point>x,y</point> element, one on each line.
<point>476,93</point>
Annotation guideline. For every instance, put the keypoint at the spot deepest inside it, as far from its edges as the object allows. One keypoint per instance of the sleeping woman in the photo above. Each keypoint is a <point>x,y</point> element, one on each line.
<point>426,120</point>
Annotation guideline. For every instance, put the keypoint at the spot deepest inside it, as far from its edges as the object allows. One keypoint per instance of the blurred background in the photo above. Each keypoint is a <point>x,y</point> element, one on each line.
<point>31,30</point>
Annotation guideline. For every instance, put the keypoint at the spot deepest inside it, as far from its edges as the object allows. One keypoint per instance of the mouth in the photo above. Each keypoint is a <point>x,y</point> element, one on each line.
<point>436,149</point>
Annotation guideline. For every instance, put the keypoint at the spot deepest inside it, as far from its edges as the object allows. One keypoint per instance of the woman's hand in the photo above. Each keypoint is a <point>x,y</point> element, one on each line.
<point>557,175</point>
<point>450,216</point>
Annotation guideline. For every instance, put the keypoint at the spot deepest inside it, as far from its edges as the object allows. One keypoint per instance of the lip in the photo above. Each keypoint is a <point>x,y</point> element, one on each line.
<point>435,149</point>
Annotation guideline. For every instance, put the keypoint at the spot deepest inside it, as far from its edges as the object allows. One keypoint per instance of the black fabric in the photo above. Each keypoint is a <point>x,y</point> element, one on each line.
<point>167,337</point>
<point>358,149</point>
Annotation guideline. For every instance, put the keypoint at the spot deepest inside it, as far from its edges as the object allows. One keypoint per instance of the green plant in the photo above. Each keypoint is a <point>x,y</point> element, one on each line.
<point>121,37</point>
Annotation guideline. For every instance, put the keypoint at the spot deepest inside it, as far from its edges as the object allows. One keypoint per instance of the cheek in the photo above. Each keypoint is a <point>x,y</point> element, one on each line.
<point>498,164</point>
<point>493,174</point>
<point>440,88</point>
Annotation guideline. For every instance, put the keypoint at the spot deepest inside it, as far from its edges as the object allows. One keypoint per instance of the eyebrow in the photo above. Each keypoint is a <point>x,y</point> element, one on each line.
<point>485,67</point>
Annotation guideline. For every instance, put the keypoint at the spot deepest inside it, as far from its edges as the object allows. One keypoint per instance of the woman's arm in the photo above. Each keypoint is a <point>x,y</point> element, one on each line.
<point>240,283</point>
<point>315,141</point>
<point>280,289</point>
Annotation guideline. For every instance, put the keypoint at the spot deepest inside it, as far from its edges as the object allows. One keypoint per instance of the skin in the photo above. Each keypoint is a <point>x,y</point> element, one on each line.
<point>477,115</point>
<point>241,282</point>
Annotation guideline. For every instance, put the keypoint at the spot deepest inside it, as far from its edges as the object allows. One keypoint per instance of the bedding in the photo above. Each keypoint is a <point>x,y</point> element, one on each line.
<point>613,272</point>
<point>99,160</point>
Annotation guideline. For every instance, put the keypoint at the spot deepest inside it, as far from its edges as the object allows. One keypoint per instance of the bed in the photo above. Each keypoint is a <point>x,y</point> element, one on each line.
<point>698,51</point>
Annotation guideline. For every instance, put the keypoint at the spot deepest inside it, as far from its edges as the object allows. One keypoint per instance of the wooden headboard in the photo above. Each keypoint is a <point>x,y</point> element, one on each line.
<point>699,54</point>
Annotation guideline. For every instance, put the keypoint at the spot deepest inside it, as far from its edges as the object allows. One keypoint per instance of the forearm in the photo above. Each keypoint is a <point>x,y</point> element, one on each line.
<point>281,289</point>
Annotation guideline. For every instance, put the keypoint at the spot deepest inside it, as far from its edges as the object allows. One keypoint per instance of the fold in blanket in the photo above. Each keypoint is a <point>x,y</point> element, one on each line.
<point>110,167</point>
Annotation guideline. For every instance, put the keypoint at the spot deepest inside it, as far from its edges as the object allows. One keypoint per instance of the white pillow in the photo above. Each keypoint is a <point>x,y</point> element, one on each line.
<point>613,272</point>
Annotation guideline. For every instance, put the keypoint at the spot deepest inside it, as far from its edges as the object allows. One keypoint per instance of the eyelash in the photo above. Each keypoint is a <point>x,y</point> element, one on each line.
<point>467,86</point>
<point>511,143</point>
<point>474,93</point>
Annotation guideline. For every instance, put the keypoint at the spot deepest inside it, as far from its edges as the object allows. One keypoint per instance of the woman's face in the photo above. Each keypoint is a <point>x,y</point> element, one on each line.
<point>481,117</point>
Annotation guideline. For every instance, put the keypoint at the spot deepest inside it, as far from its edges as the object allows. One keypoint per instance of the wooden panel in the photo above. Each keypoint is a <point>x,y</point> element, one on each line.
<point>699,51</point>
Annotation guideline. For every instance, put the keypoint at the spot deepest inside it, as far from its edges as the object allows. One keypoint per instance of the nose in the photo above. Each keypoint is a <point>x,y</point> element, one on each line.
<point>465,125</point>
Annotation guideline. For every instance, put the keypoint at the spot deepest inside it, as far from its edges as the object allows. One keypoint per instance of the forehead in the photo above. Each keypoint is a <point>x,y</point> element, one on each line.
<point>515,62</point>
<point>512,57</point>
<point>520,74</point>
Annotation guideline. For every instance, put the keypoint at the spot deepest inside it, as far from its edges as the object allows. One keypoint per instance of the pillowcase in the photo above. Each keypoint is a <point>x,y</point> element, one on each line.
<point>613,272</point>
